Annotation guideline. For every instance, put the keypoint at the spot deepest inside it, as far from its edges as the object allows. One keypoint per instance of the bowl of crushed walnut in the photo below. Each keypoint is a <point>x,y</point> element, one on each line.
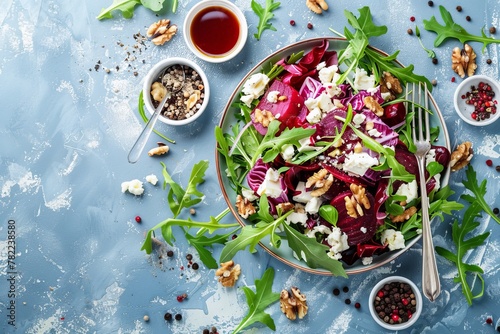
<point>476,100</point>
<point>187,84</point>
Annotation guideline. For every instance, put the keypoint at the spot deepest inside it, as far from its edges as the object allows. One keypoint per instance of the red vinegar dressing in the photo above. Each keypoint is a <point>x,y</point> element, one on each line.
<point>215,31</point>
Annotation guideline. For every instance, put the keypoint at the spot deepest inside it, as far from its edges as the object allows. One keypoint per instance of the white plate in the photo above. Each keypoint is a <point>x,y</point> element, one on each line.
<point>284,253</point>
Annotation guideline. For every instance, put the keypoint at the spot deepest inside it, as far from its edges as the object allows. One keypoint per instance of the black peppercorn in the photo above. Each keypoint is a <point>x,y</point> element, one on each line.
<point>178,316</point>
<point>170,253</point>
<point>195,266</point>
<point>348,301</point>
<point>409,31</point>
<point>189,257</point>
<point>488,61</point>
<point>345,289</point>
<point>434,61</point>
<point>493,30</point>
<point>497,168</point>
<point>459,8</point>
<point>496,211</point>
<point>309,25</point>
<point>167,316</point>
<point>206,331</point>
<point>336,292</point>
<point>430,3</point>
<point>468,18</point>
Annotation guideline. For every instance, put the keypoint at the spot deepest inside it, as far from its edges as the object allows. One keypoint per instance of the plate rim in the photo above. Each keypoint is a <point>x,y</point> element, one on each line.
<point>320,271</point>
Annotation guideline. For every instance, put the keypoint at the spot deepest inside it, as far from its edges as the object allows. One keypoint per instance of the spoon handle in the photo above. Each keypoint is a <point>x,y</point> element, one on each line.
<point>140,143</point>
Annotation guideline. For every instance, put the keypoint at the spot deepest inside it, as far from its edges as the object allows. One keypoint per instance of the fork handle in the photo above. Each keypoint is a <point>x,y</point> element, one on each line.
<point>431,285</point>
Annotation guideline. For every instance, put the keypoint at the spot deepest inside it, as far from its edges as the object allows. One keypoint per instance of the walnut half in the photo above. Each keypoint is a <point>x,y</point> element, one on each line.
<point>293,304</point>
<point>320,181</point>
<point>463,61</point>
<point>228,273</point>
<point>317,6</point>
<point>244,206</point>
<point>461,156</point>
<point>161,32</point>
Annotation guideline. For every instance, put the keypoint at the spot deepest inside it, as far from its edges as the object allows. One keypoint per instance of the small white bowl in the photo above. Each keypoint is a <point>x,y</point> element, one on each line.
<point>243,30</point>
<point>465,110</point>
<point>153,75</point>
<point>418,299</point>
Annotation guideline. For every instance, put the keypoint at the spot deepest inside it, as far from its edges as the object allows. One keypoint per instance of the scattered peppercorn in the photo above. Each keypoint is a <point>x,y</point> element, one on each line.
<point>206,331</point>
<point>336,292</point>
<point>434,61</point>
<point>292,23</point>
<point>497,168</point>
<point>195,266</point>
<point>493,30</point>
<point>434,82</point>
<point>178,317</point>
<point>309,25</point>
<point>357,305</point>
<point>489,320</point>
<point>138,219</point>
<point>430,3</point>
<point>170,253</point>
<point>496,211</point>
<point>488,61</point>
<point>345,289</point>
<point>498,328</point>
<point>213,330</point>
<point>189,257</point>
<point>192,211</point>
<point>410,31</point>
<point>489,163</point>
<point>146,318</point>
<point>181,298</point>
<point>459,8</point>
<point>167,316</point>
<point>412,19</point>
<point>234,236</point>
<point>347,301</point>
<point>453,79</point>
<point>468,18</point>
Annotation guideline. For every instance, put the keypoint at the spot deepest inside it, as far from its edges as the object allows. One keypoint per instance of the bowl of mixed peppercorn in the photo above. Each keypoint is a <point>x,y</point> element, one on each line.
<point>395,303</point>
<point>476,100</point>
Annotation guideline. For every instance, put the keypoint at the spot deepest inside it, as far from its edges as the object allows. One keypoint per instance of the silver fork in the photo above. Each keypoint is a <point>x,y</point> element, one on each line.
<point>431,285</point>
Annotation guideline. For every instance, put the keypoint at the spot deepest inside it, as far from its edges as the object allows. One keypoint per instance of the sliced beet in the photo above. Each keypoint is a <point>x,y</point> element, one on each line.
<point>289,109</point>
<point>353,226</point>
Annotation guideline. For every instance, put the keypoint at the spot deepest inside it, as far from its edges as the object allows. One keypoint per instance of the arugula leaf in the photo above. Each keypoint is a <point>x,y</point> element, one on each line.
<point>179,198</point>
<point>463,245</point>
<point>430,53</point>
<point>127,7</point>
<point>264,14</point>
<point>434,168</point>
<point>201,241</point>
<point>312,252</point>
<point>258,301</point>
<point>142,113</point>
<point>450,29</point>
<point>478,191</point>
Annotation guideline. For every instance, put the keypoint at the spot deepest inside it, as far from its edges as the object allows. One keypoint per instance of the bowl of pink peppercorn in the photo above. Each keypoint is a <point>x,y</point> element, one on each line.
<point>476,100</point>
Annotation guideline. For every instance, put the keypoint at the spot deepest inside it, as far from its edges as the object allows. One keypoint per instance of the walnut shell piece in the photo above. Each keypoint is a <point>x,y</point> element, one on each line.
<point>374,106</point>
<point>317,6</point>
<point>228,273</point>
<point>161,32</point>
<point>461,156</point>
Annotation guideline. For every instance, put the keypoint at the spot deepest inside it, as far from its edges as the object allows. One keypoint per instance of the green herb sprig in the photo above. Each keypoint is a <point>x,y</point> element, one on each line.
<point>258,301</point>
<point>145,118</point>
<point>430,53</point>
<point>265,14</point>
<point>453,30</point>
<point>478,192</point>
<point>127,7</point>
<point>463,245</point>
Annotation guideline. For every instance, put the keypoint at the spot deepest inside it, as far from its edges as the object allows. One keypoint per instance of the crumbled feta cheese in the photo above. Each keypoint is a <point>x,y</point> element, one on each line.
<point>410,190</point>
<point>314,116</point>
<point>394,239</point>
<point>133,187</point>
<point>248,194</point>
<point>305,145</point>
<point>325,103</point>
<point>374,133</point>
<point>367,260</point>
<point>254,87</point>
<point>152,179</point>
<point>358,119</point>
<point>322,229</point>
<point>271,186</point>
<point>363,229</point>
<point>326,74</point>
<point>358,163</point>
<point>320,66</point>
<point>297,218</point>
<point>287,152</point>
<point>272,96</point>
<point>304,196</point>
<point>338,243</point>
<point>313,205</point>
<point>430,156</point>
<point>333,90</point>
<point>363,81</point>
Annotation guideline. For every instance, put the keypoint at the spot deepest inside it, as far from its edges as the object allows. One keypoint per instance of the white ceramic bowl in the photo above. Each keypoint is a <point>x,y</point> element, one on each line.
<point>465,110</point>
<point>243,32</point>
<point>153,75</point>
<point>418,299</point>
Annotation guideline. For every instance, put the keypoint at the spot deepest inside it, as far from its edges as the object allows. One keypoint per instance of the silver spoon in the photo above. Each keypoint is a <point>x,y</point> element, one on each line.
<point>136,150</point>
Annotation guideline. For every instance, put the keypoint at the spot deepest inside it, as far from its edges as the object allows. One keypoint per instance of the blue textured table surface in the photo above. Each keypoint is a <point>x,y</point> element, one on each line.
<point>67,126</point>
